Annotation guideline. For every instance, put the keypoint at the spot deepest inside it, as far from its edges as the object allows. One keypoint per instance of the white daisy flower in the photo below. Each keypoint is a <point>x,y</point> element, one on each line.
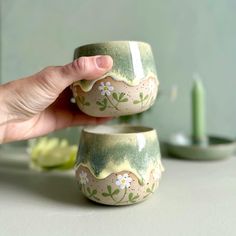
<point>83,177</point>
<point>105,88</point>
<point>123,181</point>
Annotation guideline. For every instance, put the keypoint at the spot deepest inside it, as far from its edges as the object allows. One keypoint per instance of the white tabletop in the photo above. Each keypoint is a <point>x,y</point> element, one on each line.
<point>194,198</point>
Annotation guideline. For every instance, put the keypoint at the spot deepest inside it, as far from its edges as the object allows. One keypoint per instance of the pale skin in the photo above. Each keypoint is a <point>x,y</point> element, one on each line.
<point>40,104</point>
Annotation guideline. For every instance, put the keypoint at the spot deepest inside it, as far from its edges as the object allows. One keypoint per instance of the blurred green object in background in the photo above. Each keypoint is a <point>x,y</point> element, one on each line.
<point>51,153</point>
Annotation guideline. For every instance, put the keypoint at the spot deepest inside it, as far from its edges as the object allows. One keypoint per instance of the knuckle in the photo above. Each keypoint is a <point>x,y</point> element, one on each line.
<point>49,72</point>
<point>49,80</point>
<point>81,64</point>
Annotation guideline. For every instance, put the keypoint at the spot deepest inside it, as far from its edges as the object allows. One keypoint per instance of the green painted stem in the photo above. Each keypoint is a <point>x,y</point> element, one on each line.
<point>113,199</point>
<point>122,197</point>
<point>111,102</point>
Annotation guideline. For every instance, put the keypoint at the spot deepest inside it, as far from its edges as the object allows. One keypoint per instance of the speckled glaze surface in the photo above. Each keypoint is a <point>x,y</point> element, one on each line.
<point>118,165</point>
<point>131,85</point>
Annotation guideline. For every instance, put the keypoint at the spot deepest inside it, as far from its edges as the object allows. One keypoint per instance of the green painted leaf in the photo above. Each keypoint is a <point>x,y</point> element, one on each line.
<point>141,95</point>
<point>130,197</point>
<point>105,101</point>
<point>114,95</point>
<point>106,194</point>
<point>116,192</point>
<point>124,100</point>
<point>98,199</point>
<point>109,189</point>
<point>136,197</point>
<point>99,103</point>
<point>133,198</point>
<point>102,108</point>
<point>146,97</point>
<point>88,190</point>
<point>121,96</point>
<point>94,192</point>
<point>141,182</point>
<point>148,190</point>
<point>136,102</point>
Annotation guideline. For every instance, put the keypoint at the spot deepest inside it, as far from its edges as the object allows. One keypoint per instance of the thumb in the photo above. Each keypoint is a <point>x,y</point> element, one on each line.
<point>31,95</point>
<point>88,68</point>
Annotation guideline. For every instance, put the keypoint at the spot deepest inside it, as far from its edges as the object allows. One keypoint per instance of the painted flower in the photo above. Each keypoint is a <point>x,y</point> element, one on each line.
<point>123,181</point>
<point>105,88</point>
<point>83,177</point>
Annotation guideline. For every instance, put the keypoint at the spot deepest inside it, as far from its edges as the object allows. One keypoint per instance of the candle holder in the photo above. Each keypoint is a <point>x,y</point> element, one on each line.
<point>200,146</point>
<point>215,148</point>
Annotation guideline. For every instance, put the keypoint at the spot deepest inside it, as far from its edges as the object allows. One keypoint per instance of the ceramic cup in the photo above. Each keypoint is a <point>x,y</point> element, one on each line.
<point>118,165</point>
<point>129,87</point>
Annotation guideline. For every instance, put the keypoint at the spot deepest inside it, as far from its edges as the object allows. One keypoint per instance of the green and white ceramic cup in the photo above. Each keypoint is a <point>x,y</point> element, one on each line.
<point>129,87</point>
<point>118,165</point>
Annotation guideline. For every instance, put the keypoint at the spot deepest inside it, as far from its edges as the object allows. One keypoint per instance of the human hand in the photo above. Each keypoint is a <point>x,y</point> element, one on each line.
<point>40,104</point>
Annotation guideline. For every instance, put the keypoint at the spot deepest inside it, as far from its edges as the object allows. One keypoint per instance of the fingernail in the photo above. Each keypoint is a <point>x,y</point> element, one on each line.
<point>103,61</point>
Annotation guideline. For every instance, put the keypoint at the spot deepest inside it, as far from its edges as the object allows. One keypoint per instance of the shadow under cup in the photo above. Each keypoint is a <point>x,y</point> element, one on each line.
<point>131,85</point>
<point>118,165</point>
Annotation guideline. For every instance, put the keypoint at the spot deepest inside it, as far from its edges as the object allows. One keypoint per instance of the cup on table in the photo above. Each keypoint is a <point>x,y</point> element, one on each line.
<point>118,165</point>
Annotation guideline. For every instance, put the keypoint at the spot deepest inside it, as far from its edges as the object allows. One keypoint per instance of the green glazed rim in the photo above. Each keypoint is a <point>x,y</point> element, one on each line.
<point>133,61</point>
<point>115,42</point>
<point>135,146</point>
<point>121,130</point>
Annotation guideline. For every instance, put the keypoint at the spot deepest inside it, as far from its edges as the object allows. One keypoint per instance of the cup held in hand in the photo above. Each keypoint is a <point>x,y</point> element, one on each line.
<point>130,87</point>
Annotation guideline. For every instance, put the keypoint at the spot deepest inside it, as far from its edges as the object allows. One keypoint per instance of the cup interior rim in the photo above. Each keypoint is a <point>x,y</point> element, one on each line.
<point>117,129</point>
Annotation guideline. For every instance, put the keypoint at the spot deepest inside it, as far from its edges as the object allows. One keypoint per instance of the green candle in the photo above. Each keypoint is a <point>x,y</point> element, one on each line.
<point>198,112</point>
